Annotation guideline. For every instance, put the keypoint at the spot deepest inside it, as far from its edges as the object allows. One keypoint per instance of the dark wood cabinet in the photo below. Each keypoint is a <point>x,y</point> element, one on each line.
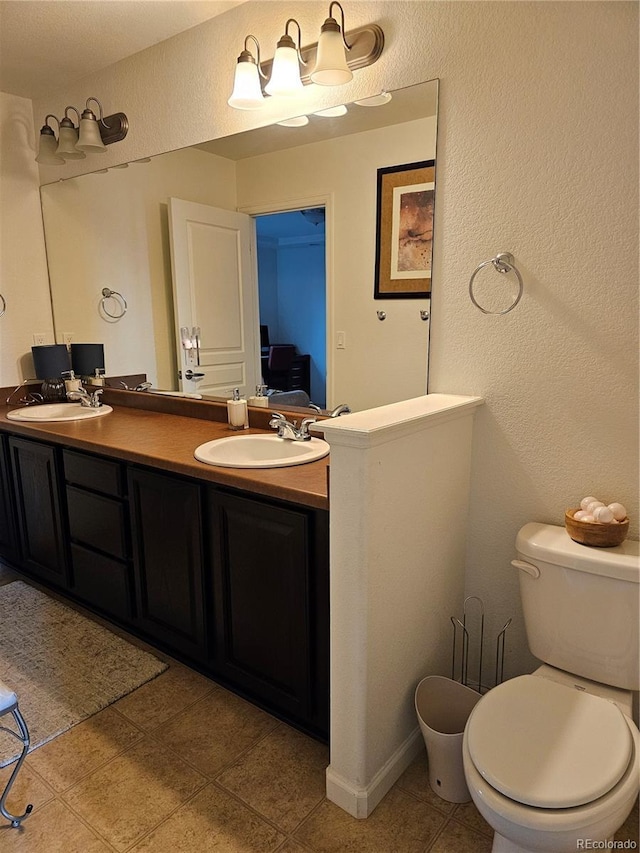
<point>168,560</point>
<point>270,587</point>
<point>38,505</point>
<point>8,538</point>
<point>100,550</point>
<point>234,583</point>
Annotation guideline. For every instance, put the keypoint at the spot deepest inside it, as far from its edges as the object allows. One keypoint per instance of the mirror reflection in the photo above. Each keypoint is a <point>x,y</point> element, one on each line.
<point>248,260</point>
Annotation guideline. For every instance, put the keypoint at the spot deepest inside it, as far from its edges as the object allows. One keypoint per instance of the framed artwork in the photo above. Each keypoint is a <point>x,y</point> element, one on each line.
<point>404,236</point>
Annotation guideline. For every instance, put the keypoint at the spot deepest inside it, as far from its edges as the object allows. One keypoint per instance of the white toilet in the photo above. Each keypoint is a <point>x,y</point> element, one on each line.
<point>552,759</point>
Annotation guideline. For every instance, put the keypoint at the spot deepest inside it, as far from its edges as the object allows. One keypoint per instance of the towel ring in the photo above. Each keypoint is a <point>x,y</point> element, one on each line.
<point>502,263</point>
<point>120,300</point>
<point>3,305</point>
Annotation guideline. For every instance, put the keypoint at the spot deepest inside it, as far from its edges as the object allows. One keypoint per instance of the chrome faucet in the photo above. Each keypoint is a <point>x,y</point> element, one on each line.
<point>144,386</point>
<point>289,430</point>
<point>87,401</point>
<point>342,409</point>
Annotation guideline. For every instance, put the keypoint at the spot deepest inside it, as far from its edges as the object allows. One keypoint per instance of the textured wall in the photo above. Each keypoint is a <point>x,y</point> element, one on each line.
<point>115,227</point>
<point>537,155</point>
<point>23,264</point>
<point>382,362</point>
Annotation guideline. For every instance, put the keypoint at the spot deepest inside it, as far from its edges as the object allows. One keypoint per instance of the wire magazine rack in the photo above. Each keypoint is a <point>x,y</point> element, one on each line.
<point>462,637</point>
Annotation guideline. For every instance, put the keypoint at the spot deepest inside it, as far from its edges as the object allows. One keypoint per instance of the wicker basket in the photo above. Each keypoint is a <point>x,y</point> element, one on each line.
<point>596,535</point>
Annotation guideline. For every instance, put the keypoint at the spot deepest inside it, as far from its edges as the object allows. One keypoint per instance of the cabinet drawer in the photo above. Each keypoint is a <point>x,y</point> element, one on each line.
<point>102,582</point>
<point>102,475</point>
<point>97,521</point>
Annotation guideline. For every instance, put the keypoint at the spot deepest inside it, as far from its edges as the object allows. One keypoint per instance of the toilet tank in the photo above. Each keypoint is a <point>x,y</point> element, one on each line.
<point>581,604</point>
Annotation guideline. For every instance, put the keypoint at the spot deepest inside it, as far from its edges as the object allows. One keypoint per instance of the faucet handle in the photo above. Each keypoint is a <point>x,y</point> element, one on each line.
<point>94,398</point>
<point>304,427</point>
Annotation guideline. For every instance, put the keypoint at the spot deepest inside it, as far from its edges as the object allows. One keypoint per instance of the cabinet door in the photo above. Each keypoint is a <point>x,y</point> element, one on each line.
<point>8,540</point>
<point>38,508</point>
<point>262,600</point>
<point>167,555</point>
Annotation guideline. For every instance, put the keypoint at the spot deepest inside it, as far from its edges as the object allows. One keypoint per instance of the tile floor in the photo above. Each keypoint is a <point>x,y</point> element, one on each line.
<point>181,765</point>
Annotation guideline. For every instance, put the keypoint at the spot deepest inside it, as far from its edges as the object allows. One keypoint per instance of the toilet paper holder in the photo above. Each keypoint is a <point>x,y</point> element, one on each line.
<point>461,640</point>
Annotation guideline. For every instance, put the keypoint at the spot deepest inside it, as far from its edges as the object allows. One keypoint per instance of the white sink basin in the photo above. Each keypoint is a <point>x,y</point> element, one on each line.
<point>49,412</point>
<point>260,451</point>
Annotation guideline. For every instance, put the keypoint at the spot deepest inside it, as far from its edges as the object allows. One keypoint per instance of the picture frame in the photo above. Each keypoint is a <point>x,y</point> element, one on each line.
<point>404,230</point>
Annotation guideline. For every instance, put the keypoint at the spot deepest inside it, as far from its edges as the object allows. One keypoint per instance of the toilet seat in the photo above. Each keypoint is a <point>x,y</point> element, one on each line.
<point>548,745</point>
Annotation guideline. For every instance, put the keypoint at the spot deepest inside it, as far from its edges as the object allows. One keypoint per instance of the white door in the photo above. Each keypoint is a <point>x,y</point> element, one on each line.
<point>214,292</point>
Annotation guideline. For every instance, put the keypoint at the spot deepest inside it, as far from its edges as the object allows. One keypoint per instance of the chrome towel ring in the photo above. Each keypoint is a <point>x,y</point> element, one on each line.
<point>3,305</point>
<point>502,263</point>
<point>119,299</point>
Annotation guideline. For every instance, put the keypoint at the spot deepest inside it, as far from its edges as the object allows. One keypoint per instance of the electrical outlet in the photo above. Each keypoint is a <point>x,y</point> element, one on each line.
<point>67,338</point>
<point>39,339</point>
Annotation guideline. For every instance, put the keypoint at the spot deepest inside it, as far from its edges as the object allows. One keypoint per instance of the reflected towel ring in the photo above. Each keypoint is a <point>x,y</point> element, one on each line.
<point>120,300</point>
<point>502,263</point>
<point>3,305</point>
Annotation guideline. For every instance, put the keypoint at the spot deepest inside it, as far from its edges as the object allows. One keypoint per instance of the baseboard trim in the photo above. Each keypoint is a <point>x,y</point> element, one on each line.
<point>360,802</point>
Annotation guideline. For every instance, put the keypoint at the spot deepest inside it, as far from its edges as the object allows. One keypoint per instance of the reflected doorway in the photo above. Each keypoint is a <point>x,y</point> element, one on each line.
<point>291,262</point>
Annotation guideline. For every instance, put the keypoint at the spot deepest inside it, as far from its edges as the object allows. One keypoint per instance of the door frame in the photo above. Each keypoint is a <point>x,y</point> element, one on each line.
<point>285,206</point>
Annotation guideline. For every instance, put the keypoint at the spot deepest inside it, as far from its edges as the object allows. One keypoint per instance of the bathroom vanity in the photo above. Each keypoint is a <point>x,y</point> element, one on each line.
<point>226,570</point>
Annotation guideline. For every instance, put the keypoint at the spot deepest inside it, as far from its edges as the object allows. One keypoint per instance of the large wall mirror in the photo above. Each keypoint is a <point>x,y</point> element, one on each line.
<point>113,229</point>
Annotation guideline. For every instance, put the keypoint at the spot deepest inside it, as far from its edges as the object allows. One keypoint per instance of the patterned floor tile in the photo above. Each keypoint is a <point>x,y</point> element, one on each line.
<point>132,794</point>
<point>282,777</point>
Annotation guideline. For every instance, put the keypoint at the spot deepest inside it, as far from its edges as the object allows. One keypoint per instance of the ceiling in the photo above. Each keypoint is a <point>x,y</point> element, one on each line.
<point>47,44</point>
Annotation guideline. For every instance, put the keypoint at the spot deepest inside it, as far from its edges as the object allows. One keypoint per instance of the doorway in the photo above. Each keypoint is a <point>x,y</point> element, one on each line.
<point>291,252</point>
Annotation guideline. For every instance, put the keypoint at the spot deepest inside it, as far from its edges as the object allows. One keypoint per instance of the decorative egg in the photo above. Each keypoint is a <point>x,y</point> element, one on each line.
<point>584,503</point>
<point>593,506</point>
<point>603,514</point>
<point>580,514</point>
<point>619,512</point>
<point>588,517</point>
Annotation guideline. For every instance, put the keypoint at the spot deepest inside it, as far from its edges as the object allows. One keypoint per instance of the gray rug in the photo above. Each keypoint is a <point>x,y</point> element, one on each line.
<point>62,666</point>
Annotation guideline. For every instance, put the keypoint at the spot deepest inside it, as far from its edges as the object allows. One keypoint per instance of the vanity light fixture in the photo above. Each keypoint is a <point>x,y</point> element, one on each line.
<point>298,121</point>
<point>247,90</point>
<point>68,138</point>
<point>331,67</point>
<point>332,112</point>
<point>285,72</point>
<point>47,149</point>
<point>333,59</point>
<point>375,100</point>
<point>92,136</point>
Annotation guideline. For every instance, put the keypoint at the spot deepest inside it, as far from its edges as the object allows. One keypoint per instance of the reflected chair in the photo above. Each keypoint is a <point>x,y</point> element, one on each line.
<point>279,365</point>
<point>9,705</point>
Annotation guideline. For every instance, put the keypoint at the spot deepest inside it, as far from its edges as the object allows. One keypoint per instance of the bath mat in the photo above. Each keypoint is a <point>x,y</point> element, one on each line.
<point>62,666</point>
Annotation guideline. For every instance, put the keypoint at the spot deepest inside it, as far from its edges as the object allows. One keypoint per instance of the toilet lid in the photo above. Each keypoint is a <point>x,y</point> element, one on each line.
<point>547,744</point>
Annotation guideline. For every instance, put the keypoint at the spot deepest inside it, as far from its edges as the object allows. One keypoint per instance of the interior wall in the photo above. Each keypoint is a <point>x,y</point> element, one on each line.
<point>24,283</point>
<point>344,170</point>
<point>302,301</point>
<point>131,209</point>
<point>268,285</point>
<point>537,155</point>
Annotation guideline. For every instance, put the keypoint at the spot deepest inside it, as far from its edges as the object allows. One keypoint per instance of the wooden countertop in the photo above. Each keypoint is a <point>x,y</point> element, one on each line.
<point>167,441</point>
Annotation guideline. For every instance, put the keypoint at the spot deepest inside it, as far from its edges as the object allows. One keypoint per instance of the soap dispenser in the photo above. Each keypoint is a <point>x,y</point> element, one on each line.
<point>260,397</point>
<point>71,383</point>
<point>237,412</point>
<point>98,377</point>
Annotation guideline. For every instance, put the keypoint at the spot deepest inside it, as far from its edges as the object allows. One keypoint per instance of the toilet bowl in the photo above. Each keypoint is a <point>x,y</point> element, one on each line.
<point>552,759</point>
<point>549,765</point>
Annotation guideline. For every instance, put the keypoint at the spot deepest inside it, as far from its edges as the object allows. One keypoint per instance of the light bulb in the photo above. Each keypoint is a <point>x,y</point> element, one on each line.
<point>331,62</point>
<point>247,92</point>
<point>285,72</point>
